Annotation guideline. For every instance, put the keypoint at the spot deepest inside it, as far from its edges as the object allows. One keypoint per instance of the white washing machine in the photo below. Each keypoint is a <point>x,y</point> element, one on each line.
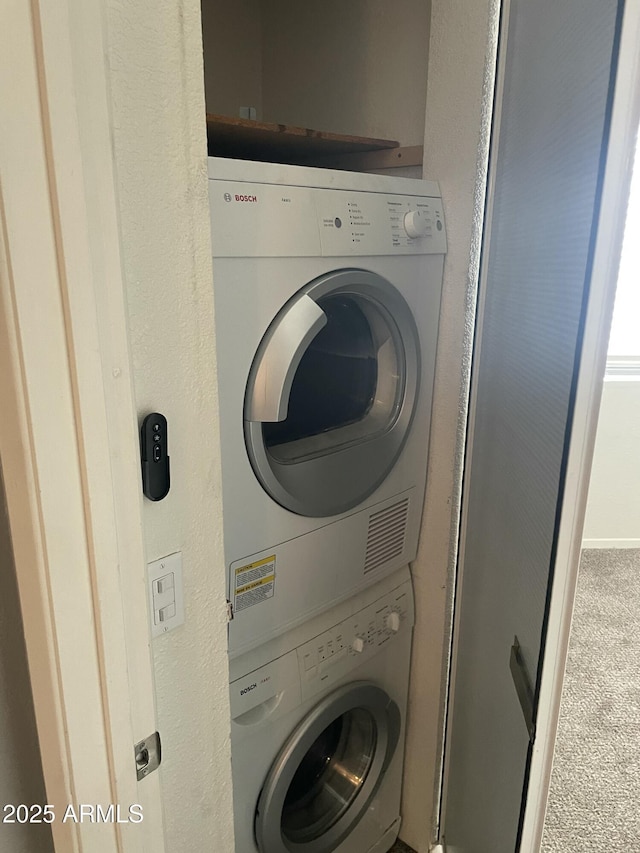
<point>327,296</point>
<point>317,733</point>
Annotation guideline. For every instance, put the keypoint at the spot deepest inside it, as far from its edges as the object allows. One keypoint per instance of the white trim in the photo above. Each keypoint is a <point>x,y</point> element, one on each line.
<point>623,366</point>
<point>68,436</point>
<point>624,126</point>
<point>74,33</point>
<point>610,543</point>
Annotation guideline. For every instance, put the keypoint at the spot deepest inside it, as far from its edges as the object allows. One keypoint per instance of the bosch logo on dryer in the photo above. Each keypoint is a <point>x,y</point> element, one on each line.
<point>247,689</point>
<point>241,197</point>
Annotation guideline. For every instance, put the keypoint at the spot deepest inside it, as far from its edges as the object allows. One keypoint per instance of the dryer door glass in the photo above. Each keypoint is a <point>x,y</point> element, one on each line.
<point>331,393</point>
<point>335,384</point>
<point>329,776</point>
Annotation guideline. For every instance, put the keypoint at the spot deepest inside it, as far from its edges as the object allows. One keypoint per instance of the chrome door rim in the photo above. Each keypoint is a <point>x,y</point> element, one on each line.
<point>288,483</point>
<point>364,695</point>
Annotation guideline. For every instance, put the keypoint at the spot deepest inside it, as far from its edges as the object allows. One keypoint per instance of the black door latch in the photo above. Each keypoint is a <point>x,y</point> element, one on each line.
<point>155,457</point>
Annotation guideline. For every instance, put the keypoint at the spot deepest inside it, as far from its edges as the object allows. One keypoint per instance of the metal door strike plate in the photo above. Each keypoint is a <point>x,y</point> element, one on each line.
<point>148,755</point>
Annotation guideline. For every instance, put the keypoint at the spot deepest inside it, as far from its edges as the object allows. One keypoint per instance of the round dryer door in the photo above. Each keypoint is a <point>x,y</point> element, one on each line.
<point>323,779</point>
<point>331,393</point>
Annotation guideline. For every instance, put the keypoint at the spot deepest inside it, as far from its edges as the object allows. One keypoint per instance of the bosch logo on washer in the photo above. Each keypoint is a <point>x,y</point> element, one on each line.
<point>247,689</point>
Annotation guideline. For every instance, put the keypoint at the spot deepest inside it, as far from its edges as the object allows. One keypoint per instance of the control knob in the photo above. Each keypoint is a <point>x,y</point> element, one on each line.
<point>415,223</point>
<point>392,622</point>
<point>357,645</point>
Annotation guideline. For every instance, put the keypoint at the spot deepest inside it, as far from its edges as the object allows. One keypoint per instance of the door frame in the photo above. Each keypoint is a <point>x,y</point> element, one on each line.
<point>625,121</point>
<point>68,435</point>
<point>485,238</point>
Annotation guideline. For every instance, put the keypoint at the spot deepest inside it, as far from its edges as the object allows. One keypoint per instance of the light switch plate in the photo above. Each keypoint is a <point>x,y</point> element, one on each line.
<point>167,571</point>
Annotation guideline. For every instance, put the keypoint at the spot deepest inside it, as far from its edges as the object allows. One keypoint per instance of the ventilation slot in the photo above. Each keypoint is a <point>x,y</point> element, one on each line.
<point>385,538</point>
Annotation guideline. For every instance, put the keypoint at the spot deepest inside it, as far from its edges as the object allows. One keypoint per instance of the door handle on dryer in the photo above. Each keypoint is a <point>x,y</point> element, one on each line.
<point>278,358</point>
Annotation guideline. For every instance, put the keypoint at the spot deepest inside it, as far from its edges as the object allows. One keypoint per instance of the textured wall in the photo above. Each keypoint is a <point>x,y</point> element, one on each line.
<point>456,136</point>
<point>155,52</point>
<point>21,778</point>
<point>613,505</point>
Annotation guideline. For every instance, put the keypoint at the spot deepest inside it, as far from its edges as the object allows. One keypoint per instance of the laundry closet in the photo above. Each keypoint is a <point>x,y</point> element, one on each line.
<point>318,590</point>
<point>114,126</point>
<point>355,74</point>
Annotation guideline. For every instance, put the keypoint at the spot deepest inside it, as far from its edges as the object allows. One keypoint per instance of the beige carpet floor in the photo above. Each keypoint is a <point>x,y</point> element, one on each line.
<point>594,803</point>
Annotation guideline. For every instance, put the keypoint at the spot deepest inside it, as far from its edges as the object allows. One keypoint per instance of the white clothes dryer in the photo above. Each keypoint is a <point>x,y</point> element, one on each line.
<point>318,723</point>
<point>327,296</point>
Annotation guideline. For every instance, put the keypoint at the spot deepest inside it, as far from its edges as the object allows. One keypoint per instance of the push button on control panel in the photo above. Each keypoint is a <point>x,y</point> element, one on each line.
<point>392,622</point>
<point>358,645</point>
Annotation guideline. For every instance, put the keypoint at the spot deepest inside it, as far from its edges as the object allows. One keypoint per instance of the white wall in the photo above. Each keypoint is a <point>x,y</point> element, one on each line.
<point>155,52</point>
<point>458,110</point>
<point>356,68</point>
<point>613,504</point>
<point>232,33</point>
<point>21,779</point>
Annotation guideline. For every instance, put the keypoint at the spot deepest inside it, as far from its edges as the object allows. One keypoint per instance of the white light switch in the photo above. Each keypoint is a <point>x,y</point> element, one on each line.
<point>165,583</point>
<point>167,612</point>
<point>166,603</point>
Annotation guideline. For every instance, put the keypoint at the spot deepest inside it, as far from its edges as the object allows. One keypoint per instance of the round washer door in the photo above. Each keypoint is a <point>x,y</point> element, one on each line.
<point>331,393</point>
<point>323,779</point>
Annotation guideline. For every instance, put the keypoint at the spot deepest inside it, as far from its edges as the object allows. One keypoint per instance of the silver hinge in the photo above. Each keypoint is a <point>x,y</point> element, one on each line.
<point>229,610</point>
<point>148,754</point>
<point>523,687</point>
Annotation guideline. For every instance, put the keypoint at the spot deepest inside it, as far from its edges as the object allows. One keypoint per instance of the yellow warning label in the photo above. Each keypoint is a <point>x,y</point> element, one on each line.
<point>271,559</point>
<point>254,583</point>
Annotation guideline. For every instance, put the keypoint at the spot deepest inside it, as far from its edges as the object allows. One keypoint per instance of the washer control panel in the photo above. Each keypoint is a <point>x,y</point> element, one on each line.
<point>331,655</point>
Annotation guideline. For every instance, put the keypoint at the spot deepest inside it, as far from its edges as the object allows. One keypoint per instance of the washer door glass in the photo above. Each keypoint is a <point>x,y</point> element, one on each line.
<point>331,393</point>
<point>329,777</point>
<point>323,780</point>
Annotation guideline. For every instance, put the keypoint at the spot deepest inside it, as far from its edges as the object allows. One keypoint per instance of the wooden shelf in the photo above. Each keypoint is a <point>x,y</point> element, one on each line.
<point>244,139</point>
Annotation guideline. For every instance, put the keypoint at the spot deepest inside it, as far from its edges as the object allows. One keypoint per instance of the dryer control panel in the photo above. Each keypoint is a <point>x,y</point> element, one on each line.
<point>353,223</point>
<point>332,654</point>
<point>266,220</point>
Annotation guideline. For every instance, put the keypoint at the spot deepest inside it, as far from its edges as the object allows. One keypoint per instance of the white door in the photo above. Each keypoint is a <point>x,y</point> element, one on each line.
<point>541,297</point>
<point>68,434</point>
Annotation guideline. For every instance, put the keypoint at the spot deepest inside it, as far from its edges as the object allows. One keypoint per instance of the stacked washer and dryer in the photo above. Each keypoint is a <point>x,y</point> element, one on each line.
<point>327,296</point>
